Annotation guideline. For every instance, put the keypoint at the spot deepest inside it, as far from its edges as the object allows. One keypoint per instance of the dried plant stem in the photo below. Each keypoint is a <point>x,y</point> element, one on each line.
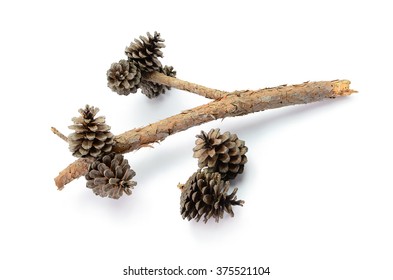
<point>73,171</point>
<point>230,105</point>
<point>184,85</point>
<point>58,133</point>
<point>235,104</point>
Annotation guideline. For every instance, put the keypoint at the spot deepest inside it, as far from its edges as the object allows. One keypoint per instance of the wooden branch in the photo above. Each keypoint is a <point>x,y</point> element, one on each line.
<point>58,133</point>
<point>229,105</point>
<point>73,171</point>
<point>163,79</point>
<point>235,104</point>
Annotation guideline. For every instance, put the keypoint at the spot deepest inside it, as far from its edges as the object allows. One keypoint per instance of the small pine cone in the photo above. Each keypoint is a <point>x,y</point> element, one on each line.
<point>123,77</point>
<point>110,176</point>
<point>223,153</point>
<point>206,194</point>
<point>151,89</point>
<point>169,71</point>
<point>145,52</point>
<point>92,136</point>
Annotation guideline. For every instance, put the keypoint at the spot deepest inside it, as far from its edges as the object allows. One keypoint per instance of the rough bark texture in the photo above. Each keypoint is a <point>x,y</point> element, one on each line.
<point>184,85</point>
<point>233,104</point>
<point>226,105</point>
<point>73,171</point>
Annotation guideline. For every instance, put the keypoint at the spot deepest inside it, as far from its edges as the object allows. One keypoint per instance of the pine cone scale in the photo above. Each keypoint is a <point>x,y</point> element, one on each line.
<point>119,172</point>
<point>95,174</point>
<point>98,145</point>
<point>83,152</point>
<point>211,153</point>
<point>87,144</point>
<point>223,168</point>
<point>113,181</point>
<point>77,128</point>
<point>129,174</point>
<point>225,158</point>
<point>108,173</point>
<point>99,181</point>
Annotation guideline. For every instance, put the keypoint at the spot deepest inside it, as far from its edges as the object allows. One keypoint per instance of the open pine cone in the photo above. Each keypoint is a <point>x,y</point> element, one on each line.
<point>123,77</point>
<point>153,90</point>
<point>145,52</point>
<point>110,176</point>
<point>205,194</point>
<point>223,153</point>
<point>92,136</point>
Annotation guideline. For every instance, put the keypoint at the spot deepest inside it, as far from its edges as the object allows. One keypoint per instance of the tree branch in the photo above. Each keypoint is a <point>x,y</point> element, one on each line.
<point>237,103</point>
<point>163,79</point>
<point>78,168</point>
<point>58,133</point>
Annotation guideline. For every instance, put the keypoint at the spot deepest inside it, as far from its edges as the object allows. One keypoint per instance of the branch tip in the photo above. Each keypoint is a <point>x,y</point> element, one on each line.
<point>73,171</point>
<point>58,133</point>
<point>341,88</point>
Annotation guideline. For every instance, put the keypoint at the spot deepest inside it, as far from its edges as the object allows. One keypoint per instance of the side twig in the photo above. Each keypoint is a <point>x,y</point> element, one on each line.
<point>237,103</point>
<point>184,85</point>
<point>58,133</point>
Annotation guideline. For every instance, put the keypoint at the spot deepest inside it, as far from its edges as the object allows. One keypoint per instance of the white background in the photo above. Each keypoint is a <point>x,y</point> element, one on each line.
<point>318,183</point>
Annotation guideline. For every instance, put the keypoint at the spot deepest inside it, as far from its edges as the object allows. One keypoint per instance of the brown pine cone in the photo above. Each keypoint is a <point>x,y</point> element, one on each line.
<point>123,77</point>
<point>145,52</point>
<point>223,153</point>
<point>92,136</point>
<point>153,90</point>
<point>206,194</point>
<point>110,176</point>
<point>169,71</point>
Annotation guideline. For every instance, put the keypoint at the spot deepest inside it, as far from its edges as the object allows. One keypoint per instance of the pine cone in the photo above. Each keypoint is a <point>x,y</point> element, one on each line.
<point>169,71</point>
<point>153,90</point>
<point>205,194</point>
<point>123,77</point>
<point>92,136</point>
<point>145,52</point>
<point>110,176</point>
<point>223,153</point>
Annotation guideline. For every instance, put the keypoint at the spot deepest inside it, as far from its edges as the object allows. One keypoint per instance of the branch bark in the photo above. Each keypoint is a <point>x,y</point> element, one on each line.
<point>163,79</point>
<point>78,168</point>
<point>233,104</point>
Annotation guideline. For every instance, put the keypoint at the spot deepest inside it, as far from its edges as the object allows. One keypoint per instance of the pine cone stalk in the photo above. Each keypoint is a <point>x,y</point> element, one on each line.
<point>152,89</point>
